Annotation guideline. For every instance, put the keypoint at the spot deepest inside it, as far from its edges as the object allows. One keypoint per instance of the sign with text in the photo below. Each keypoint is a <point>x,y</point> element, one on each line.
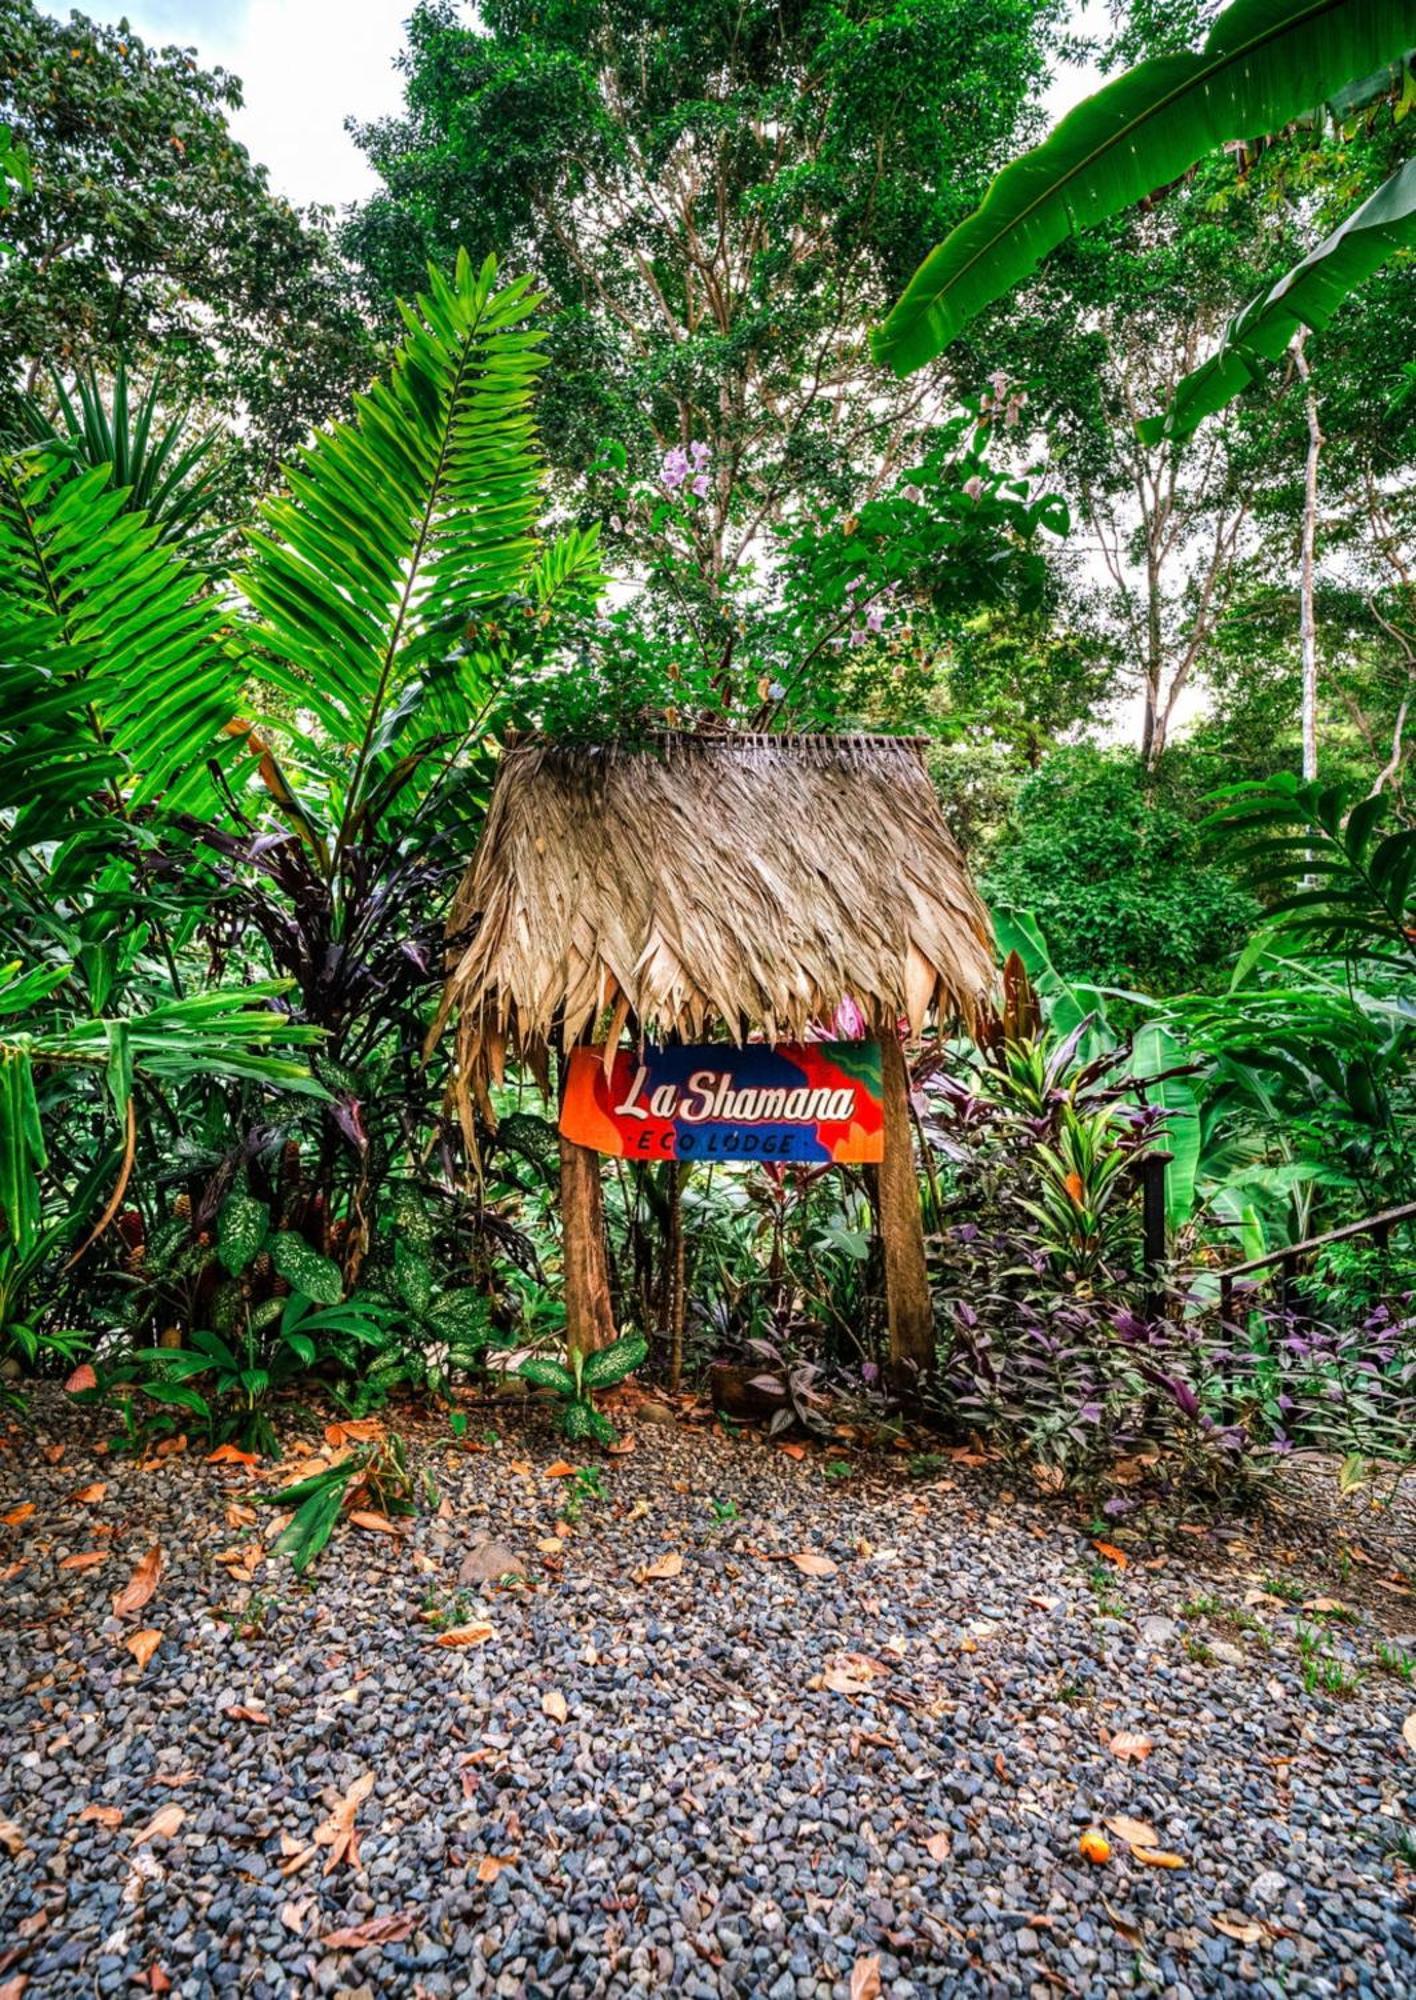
<point>805,1101</point>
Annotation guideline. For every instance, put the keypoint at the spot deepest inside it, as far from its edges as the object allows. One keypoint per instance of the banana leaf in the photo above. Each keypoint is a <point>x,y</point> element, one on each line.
<point>1308,295</point>
<point>1264,63</point>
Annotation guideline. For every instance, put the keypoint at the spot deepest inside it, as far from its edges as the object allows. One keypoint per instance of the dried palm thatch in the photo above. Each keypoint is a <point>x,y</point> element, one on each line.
<point>699,884</point>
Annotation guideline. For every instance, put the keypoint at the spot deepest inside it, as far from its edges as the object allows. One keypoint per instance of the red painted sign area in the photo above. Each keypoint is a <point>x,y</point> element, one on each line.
<point>812,1101</point>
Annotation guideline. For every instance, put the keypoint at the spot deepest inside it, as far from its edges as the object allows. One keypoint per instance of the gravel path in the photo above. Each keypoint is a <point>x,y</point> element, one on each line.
<point>743,1778</point>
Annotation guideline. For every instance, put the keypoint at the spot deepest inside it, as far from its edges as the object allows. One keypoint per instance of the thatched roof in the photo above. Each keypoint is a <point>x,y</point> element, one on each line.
<point>702,884</point>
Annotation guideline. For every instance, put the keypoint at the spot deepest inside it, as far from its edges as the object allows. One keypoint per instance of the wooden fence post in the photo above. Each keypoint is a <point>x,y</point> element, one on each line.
<point>911,1310</point>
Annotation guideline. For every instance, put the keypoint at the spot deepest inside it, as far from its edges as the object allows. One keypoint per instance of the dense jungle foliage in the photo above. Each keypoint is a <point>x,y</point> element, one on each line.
<point>575,426</point>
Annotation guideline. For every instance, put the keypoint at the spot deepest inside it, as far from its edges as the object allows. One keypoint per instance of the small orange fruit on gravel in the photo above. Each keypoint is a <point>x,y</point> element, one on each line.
<point>1095,1846</point>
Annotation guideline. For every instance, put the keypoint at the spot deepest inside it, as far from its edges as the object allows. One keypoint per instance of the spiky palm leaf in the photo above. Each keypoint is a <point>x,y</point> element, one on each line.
<point>125,616</point>
<point>166,470</point>
<point>401,531</point>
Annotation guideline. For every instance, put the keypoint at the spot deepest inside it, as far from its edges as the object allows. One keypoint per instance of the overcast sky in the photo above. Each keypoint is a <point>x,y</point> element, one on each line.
<point>307,65</point>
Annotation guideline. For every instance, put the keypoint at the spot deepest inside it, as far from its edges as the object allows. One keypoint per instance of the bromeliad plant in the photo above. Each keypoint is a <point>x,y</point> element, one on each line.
<point>575,1381</point>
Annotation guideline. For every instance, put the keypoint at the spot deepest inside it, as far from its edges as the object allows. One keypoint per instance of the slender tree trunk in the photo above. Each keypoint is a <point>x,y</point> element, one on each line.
<point>589,1316</point>
<point>1153,725</point>
<point>1307,608</point>
<point>910,1308</point>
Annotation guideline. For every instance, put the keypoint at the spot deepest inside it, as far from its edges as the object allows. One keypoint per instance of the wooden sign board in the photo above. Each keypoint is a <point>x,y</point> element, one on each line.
<point>799,1101</point>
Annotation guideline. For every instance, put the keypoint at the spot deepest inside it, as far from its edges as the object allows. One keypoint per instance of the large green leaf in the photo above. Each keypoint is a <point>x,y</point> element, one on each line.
<point>1308,296</point>
<point>1155,1051</point>
<point>1264,62</point>
<point>403,526</point>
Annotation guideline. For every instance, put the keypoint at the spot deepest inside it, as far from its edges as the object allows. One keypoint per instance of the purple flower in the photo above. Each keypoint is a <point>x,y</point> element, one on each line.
<point>674,469</point>
<point>973,487</point>
<point>700,486</point>
<point>700,454</point>
<point>869,1374</point>
<point>875,617</point>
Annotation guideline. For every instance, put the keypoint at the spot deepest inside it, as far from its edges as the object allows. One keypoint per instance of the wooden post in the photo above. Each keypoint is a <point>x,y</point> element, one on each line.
<point>589,1317</point>
<point>911,1311</point>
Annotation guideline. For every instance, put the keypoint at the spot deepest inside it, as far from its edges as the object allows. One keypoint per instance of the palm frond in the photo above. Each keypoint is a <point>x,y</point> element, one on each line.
<point>405,525</point>
<point>159,681</point>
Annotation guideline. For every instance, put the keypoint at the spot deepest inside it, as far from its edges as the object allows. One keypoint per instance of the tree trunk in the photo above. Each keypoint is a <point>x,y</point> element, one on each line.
<point>911,1310</point>
<point>589,1317</point>
<point>1307,607</point>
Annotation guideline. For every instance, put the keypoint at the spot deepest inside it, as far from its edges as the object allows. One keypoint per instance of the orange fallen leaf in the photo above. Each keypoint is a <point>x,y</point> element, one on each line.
<point>241,1711</point>
<point>491,1865</point>
<point>239,1516</point>
<point>1112,1554</point>
<point>1134,1832</point>
<point>550,1545</point>
<point>554,1704</point>
<point>1130,1747</point>
<point>561,1468</point>
<point>797,1451</point>
<point>142,1645</point>
<point>372,1523</point>
<point>359,1430</point>
<point>812,1564</point>
<point>161,1826</point>
<point>1244,1930</point>
<point>865,1979</point>
<point>85,1560</point>
<point>12,1570</point>
<point>18,1514</point>
<point>1157,1857</point>
<point>338,1832</point>
<point>464,1635</point>
<point>391,1929</point>
<point>158,1981</point>
<point>82,1378</point>
<point>520,1466</point>
<point>141,1584</point>
<point>86,1496</point>
<point>232,1454</point>
<point>105,1816</point>
<point>52,1453</point>
<point>663,1569</point>
<point>622,1447</point>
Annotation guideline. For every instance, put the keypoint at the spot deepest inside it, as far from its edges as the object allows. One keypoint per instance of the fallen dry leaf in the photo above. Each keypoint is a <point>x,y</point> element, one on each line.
<point>1134,1832</point>
<point>797,1451</point>
<point>865,1979</point>
<point>1326,1605</point>
<point>18,1514</point>
<point>622,1447</point>
<point>1157,1857</point>
<point>520,1466</point>
<point>550,1545</point>
<point>13,1569</point>
<point>491,1865</point>
<point>561,1468</point>
<point>1408,1732</point>
<point>1126,1926</point>
<point>338,1833</point>
<point>241,1711</point>
<point>663,1569</point>
<point>464,1635</point>
<point>372,1523</point>
<point>361,1430</point>
<point>161,1826</point>
<point>1130,1747</point>
<point>86,1560</point>
<point>140,1585</point>
<point>939,1846</point>
<point>240,1516</point>
<point>82,1378</point>
<point>232,1454</point>
<point>88,1496</point>
<point>142,1645</point>
<point>554,1704</point>
<point>1244,1930</point>
<point>1112,1554</point>
<point>105,1816</point>
<point>11,1838</point>
<point>391,1929</point>
<point>812,1564</point>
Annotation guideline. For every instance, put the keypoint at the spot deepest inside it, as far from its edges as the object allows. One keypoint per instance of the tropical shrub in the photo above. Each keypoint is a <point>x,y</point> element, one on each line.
<point>1116,868</point>
<point>575,1380</point>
